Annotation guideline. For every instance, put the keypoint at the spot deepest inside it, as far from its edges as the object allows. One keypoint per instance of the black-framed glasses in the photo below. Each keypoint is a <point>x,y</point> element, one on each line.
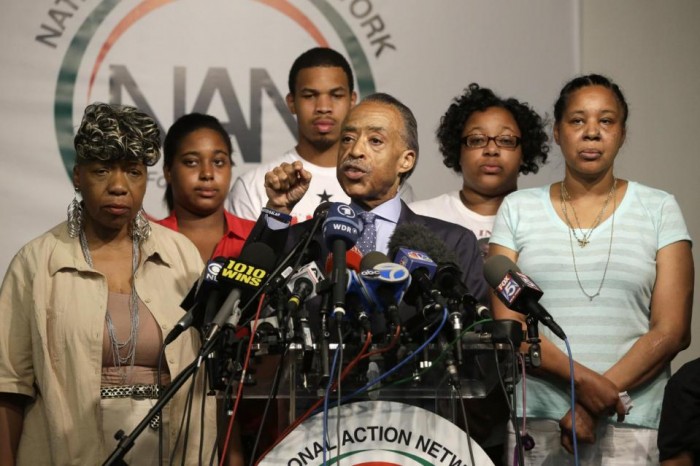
<point>477,141</point>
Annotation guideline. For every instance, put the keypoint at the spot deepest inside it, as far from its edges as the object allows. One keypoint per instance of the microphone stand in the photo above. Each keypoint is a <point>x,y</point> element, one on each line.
<point>324,289</point>
<point>126,442</point>
<point>274,280</point>
<point>534,354</point>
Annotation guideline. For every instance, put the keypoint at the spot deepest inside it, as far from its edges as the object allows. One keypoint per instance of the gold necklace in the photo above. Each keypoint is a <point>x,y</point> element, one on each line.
<point>607,261</point>
<point>566,198</point>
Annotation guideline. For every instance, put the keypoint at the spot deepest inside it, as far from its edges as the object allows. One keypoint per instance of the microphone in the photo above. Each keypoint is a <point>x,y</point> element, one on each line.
<point>448,280</point>
<point>385,283</point>
<point>303,286</point>
<point>422,270</point>
<point>353,259</point>
<point>341,231</point>
<point>205,290</point>
<point>419,238</point>
<point>357,299</point>
<point>415,247</point>
<point>517,291</point>
<point>312,250</point>
<point>243,276</point>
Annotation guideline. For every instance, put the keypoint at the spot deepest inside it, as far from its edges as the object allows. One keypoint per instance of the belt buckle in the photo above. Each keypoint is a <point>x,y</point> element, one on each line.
<point>143,392</point>
<point>137,394</point>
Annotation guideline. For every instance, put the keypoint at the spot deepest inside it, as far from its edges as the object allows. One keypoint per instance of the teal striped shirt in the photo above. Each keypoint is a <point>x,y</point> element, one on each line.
<point>600,331</point>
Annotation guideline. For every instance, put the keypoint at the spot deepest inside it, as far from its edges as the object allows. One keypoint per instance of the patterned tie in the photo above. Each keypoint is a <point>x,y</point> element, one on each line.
<point>368,239</point>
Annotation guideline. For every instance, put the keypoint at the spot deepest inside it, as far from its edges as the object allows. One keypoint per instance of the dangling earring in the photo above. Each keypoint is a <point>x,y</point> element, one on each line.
<point>75,214</point>
<point>140,227</point>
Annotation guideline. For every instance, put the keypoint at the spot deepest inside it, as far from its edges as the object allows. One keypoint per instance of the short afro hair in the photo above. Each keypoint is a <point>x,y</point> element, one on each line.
<point>534,139</point>
<point>110,132</point>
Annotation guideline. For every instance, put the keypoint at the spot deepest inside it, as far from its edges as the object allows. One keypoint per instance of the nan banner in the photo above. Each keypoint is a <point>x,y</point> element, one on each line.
<point>230,58</point>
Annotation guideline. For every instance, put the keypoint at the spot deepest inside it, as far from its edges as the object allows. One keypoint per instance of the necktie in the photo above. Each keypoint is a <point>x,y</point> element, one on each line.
<point>368,239</point>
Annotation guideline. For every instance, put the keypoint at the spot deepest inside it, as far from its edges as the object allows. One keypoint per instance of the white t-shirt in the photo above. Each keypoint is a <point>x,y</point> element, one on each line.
<point>247,196</point>
<point>449,207</point>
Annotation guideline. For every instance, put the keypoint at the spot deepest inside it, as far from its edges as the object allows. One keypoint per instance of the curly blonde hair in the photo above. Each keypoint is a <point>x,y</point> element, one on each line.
<point>110,132</point>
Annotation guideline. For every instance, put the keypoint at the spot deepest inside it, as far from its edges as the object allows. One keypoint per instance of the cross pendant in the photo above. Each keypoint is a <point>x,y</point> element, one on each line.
<point>582,242</point>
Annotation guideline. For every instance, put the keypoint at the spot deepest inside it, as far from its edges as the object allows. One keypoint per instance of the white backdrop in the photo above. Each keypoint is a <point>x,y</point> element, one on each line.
<point>230,58</point>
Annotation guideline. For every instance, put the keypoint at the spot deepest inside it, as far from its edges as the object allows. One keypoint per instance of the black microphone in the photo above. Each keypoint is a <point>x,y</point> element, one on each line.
<point>197,302</point>
<point>448,280</point>
<point>341,230</point>
<point>243,276</point>
<point>302,285</point>
<point>517,291</point>
<point>447,288</point>
<point>311,251</point>
<point>419,238</point>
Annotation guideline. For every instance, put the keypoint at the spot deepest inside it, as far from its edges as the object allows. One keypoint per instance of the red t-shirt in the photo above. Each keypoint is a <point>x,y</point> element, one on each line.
<point>230,245</point>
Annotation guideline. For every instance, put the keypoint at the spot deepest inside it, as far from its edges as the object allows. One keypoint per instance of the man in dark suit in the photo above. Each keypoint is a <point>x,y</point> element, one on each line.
<point>378,152</point>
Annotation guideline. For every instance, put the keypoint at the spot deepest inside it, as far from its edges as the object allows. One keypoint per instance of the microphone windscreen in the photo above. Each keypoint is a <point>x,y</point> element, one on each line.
<point>342,223</point>
<point>312,253</point>
<point>250,269</point>
<point>418,237</point>
<point>322,209</point>
<point>258,254</point>
<point>209,276</point>
<point>496,267</point>
<point>373,258</point>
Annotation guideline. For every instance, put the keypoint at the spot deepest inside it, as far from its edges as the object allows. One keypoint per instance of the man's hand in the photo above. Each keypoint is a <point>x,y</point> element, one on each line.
<point>286,185</point>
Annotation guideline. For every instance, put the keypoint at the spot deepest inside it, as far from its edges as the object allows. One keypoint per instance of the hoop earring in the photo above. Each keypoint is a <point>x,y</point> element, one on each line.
<point>75,215</point>
<point>140,227</point>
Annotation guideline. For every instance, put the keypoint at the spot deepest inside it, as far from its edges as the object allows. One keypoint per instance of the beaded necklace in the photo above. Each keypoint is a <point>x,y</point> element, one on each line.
<point>130,343</point>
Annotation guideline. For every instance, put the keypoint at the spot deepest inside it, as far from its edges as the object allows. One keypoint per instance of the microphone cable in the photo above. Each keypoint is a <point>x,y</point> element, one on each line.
<point>239,392</point>
<point>523,377</point>
<point>403,362</point>
<point>438,359</point>
<point>185,421</point>
<point>274,389</point>
<point>317,403</point>
<point>331,382</point>
<point>464,419</point>
<point>573,401</point>
<point>159,374</point>
<point>518,452</point>
<point>391,345</point>
<point>302,245</point>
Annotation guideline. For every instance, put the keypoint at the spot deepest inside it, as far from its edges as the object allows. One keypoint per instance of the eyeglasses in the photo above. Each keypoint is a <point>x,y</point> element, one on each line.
<point>477,141</point>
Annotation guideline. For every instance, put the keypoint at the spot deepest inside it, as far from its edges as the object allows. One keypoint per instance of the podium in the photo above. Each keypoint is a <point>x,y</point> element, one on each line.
<point>381,433</point>
<point>422,389</point>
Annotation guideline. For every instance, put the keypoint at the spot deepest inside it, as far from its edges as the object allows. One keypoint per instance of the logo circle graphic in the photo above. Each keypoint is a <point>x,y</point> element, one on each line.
<point>68,72</point>
<point>377,463</point>
<point>214,268</point>
<point>346,211</point>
